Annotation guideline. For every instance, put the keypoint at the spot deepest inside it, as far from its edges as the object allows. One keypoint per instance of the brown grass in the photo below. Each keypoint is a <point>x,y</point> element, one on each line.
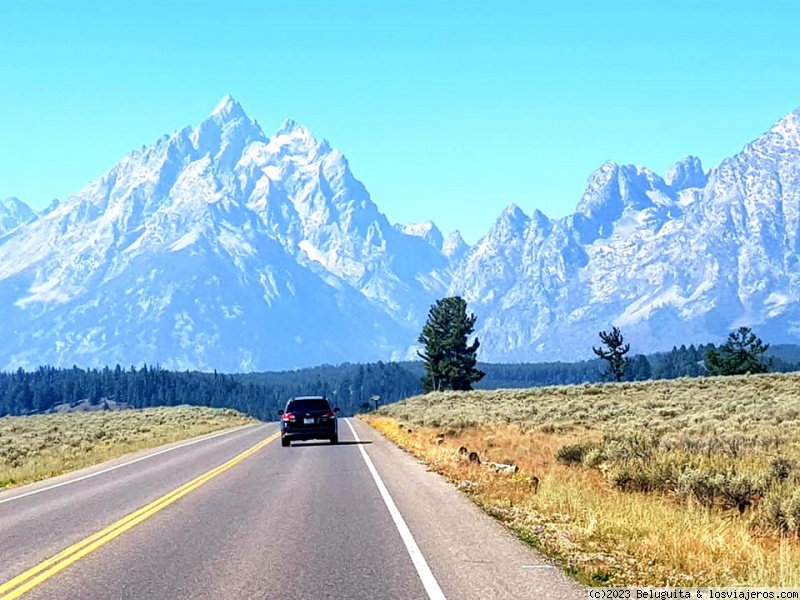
<point>41,446</point>
<point>725,430</point>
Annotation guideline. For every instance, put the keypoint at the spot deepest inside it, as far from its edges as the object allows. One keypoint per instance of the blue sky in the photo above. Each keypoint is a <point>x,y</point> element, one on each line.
<point>447,110</point>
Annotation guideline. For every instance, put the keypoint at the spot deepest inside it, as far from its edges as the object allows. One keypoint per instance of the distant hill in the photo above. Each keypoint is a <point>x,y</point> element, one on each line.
<point>87,406</point>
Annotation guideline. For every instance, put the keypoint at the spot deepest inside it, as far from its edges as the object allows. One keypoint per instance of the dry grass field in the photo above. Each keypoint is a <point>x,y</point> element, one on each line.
<point>687,482</point>
<point>42,446</point>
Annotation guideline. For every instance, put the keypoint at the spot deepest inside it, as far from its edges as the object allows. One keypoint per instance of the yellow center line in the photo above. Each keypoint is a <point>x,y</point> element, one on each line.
<point>28,580</point>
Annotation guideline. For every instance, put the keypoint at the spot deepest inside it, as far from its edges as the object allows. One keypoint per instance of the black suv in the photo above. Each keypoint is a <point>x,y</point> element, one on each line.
<point>309,418</point>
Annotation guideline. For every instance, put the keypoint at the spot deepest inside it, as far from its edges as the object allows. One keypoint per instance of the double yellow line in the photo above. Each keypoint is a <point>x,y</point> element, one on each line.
<point>28,580</point>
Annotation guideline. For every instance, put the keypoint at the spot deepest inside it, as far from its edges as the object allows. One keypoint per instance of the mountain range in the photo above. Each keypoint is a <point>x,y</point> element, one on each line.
<point>219,247</point>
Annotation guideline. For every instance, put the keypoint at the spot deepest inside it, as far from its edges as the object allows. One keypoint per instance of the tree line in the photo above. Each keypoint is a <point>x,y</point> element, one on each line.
<point>349,386</point>
<point>743,352</point>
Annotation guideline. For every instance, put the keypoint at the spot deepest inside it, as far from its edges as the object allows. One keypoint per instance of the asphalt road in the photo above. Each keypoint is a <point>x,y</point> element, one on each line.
<point>360,520</point>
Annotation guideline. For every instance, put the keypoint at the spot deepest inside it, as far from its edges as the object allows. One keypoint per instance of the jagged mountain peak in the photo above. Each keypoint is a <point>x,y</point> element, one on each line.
<point>615,190</point>
<point>602,189</point>
<point>289,126</point>
<point>227,122</point>
<point>13,204</point>
<point>513,213</point>
<point>418,228</point>
<point>293,129</point>
<point>539,217</point>
<point>54,204</point>
<point>686,173</point>
<point>789,123</point>
<point>454,246</point>
<point>540,222</point>
<point>427,230</point>
<point>292,139</point>
<point>784,134</point>
<point>512,223</point>
<point>455,236</point>
<point>13,213</point>
<point>227,109</point>
<point>298,138</point>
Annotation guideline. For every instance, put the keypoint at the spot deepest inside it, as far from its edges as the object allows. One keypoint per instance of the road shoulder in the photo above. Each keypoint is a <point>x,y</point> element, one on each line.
<point>471,554</point>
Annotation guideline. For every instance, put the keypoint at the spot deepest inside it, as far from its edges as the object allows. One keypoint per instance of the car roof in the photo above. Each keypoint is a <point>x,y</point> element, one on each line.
<point>308,398</point>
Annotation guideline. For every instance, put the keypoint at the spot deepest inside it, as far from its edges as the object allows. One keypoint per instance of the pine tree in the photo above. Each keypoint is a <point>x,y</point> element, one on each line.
<point>742,353</point>
<point>639,369</point>
<point>449,361</point>
<point>614,352</point>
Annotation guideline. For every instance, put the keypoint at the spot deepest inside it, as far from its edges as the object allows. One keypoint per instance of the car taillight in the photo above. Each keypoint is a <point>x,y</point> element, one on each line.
<point>328,415</point>
<point>288,417</point>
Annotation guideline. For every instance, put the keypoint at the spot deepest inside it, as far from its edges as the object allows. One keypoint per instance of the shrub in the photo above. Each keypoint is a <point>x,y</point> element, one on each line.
<point>594,457</point>
<point>644,476</point>
<point>574,453</point>
<point>781,510</point>
<point>630,446</point>
<point>729,489</point>
<point>781,468</point>
<point>699,484</point>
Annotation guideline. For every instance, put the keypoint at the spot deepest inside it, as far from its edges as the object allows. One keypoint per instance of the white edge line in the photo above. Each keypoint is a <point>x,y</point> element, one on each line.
<point>125,464</point>
<point>420,564</point>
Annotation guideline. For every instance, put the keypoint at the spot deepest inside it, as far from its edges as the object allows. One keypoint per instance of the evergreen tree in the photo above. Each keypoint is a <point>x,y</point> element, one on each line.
<point>681,362</point>
<point>614,353</point>
<point>449,361</point>
<point>639,369</point>
<point>742,353</point>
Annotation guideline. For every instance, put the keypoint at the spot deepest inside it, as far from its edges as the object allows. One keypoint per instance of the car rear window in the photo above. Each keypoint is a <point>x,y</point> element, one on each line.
<point>308,404</point>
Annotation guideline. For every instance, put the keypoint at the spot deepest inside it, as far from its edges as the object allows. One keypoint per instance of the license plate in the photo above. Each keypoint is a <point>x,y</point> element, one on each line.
<point>308,421</point>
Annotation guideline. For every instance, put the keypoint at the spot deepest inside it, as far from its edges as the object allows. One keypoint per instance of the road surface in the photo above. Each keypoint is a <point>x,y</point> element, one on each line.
<point>234,515</point>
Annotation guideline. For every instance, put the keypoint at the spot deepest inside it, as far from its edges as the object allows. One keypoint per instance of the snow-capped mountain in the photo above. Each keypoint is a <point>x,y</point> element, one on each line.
<point>217,247</point>
<point>13,213</point>
<point>670,261</point>
<point>453,246</point>
<point>221,247</point>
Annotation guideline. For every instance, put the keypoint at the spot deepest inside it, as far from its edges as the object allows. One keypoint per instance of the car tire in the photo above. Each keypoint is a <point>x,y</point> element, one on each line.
<point>285,442</point>
<point>335,439</point>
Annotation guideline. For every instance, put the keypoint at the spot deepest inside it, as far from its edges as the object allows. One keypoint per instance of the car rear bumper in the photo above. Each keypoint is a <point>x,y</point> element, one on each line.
<point>308,433</point>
